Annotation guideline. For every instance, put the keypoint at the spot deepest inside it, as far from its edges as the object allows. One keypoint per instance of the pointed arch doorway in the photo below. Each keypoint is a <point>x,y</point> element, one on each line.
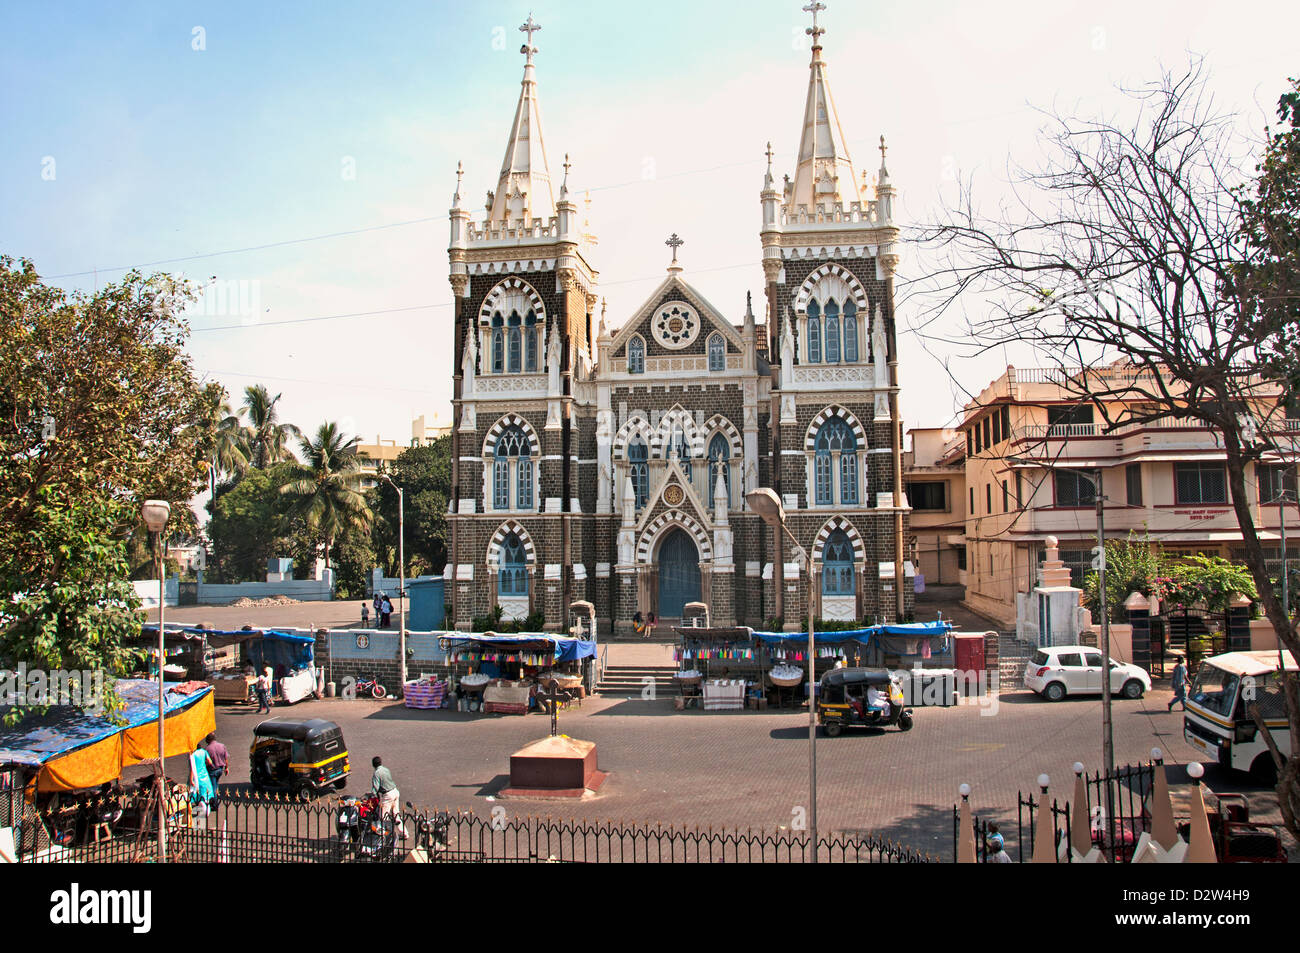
<point>679,573</point>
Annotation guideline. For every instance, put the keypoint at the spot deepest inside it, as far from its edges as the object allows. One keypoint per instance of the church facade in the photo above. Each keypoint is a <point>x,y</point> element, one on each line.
<point>610,464</point>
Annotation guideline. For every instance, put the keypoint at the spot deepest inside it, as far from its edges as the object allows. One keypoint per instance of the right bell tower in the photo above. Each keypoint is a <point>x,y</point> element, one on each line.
<point>830,250</point>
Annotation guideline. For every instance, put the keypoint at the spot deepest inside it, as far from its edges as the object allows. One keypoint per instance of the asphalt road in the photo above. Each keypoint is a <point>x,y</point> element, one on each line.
<point>749,768</point>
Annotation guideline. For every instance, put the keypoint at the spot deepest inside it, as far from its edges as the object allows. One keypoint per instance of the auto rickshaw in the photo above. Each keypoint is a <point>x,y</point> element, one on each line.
<point>306,757</point>
<point>845,696</point>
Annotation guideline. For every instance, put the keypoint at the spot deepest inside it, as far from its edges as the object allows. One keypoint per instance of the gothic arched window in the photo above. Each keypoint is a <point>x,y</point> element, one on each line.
<point>638,456</point>
<point>832,332</point>
<point>717,353</point>
<point>513,362</point>
<point>680,448</point>
<point>719,461</point>
<point>512,568</point>
<point>850,331</point>
<point>836,440</point>
<point>837,565</point>
<point>530,343</point>
<point>814,333</point>
<point>636,356</point>
<point>498,346</point>
<point>513,463</point>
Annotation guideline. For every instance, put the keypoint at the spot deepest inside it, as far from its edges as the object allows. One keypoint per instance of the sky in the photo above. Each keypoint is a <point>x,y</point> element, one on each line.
<point>304,155</point>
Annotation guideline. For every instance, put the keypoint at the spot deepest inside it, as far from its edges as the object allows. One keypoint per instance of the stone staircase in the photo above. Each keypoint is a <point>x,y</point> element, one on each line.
<point>629,681</point>
<point>1013,656</point>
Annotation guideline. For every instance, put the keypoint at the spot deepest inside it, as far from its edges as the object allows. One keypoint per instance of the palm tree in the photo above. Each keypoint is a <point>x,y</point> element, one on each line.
<point>222,438</point>
<point>268,439</point>
<point>326,490</point>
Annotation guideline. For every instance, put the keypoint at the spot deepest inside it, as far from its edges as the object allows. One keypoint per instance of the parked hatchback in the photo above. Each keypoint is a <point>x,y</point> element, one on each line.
<point>1062,670</point>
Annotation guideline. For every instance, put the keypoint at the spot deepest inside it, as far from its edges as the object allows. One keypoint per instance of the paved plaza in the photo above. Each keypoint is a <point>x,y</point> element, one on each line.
<point>747,768</point>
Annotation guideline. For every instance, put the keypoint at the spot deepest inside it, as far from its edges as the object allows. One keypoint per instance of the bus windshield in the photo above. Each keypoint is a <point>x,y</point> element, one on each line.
<point>1215,690</point>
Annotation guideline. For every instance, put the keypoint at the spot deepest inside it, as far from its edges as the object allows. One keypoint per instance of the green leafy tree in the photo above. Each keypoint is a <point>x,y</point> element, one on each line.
<point>99,409</point>
<point>424,473</point>
<point>1132,565</point>
<point>267,438</point>
<point>222,438</point>
<point>325,490</point>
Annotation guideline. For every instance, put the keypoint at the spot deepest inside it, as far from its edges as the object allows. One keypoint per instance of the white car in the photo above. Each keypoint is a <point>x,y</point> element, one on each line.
<point>1062,670</point>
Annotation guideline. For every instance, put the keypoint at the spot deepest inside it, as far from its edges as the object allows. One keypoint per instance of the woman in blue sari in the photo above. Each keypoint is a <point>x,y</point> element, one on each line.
<point>202,792</point>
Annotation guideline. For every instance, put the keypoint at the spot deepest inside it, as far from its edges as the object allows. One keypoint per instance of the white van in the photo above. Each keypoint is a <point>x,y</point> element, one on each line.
<point>1217,721</point>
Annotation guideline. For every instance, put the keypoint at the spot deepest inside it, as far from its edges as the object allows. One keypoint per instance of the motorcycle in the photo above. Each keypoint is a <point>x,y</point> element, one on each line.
<point>431,830</point>
<point>369,685</point>
<point>364,830</point>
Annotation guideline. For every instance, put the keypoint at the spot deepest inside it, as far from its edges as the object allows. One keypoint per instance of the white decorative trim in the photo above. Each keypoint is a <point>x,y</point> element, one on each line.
<point>664,523</point>
<point>839,608</point>
<point>579,571</point>
<point>552,571</point>
<point>752,567</point>
<point>464,572</point>
<point>602,570</point>
<point>508,288</point>
<point>498,428</point>
<point>499,537</point>
<point>834,410</point>
<point>552,505</point>
<point>468,505</point>
<point>831,270</point>
<point>531,384</point>
<point>830,526</point>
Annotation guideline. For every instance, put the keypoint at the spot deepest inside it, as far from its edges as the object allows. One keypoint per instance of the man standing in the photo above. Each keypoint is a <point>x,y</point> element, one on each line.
<point>263,689</point>
<point>1180,685</point>
<point>218,758</point>
<point>382,783</point>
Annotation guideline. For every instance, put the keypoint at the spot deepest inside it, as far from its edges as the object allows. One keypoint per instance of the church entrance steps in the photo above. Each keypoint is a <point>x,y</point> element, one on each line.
<point>633,680</point>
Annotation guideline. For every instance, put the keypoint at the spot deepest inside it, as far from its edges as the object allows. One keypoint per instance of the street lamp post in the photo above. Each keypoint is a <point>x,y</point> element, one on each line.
<point>401,576</point>
<point>155,514</point>
<point>767,504</point>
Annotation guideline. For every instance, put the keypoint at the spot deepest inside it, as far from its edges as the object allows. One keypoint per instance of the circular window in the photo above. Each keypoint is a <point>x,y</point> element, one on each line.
<point>677,325</point>
<point>673,494</point>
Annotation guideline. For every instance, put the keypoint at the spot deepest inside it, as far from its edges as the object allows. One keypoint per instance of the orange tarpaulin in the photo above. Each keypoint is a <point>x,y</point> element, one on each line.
<point>104,760</point>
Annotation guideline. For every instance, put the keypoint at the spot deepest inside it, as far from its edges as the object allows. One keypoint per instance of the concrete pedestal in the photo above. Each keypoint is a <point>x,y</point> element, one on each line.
<point>554,767</point>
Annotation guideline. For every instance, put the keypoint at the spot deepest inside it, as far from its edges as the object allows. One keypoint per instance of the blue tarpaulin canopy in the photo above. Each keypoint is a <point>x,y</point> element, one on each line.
<point>276,648</point>
<point>564,648</point>
<point>911,630</point>
<point>63,728</point>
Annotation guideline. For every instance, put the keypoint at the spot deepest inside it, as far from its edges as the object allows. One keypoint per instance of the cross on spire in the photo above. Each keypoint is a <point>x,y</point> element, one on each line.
<point>674,243</point>
<point>815,31</point>
<point>530,26</point>
<point>769,157</point>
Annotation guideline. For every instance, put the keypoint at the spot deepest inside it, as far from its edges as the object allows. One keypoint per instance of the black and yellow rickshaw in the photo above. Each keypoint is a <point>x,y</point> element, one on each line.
<point>306,757</point>
<point>860,696</point>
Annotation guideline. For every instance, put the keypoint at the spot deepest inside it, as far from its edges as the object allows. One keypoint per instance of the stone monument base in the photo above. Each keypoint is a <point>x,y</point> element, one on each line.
<point>554,767</point>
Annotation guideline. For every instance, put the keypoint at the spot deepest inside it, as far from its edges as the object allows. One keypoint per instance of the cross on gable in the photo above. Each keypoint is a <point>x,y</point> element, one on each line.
<point>675,243</point>
<point>530,26</point>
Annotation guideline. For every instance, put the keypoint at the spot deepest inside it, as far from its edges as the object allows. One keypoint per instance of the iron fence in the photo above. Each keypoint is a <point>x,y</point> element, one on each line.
<point>249,828</point>
<point>1117,816</point>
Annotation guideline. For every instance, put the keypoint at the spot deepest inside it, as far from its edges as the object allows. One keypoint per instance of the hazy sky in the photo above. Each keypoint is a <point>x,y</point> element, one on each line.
<point>309,151</point>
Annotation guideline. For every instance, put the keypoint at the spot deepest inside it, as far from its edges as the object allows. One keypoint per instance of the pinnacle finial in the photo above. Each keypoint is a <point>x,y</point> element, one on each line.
<point>815,31</point>
<point>567,166</point>
<point>530,26</point>
<point>769,158</point>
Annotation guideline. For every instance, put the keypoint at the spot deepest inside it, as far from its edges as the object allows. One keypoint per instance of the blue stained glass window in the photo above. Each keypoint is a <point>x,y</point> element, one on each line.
<point>638,457</point>
<point>512,571</point>
<point>717,353</point>
<point>636,356</point>
<point>719,460</point>
<point>850,331</point>
<point>837,565</point>
<point>832,332</point>
<point>498,351</point>
<point>814,333</point>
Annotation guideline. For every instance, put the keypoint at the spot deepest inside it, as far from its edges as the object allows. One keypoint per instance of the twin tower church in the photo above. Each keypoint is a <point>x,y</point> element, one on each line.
<point>610,464</point>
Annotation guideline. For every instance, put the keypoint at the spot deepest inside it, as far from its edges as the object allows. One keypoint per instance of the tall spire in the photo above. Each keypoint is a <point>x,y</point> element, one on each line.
<point>524,188</point>
<point>824,174</point>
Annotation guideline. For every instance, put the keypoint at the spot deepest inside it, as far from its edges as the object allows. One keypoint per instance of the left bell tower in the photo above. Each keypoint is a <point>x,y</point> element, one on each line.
<point>523,295</point>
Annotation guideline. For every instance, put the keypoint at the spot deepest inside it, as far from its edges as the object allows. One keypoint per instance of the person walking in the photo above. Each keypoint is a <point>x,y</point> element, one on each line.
<point>202,793</point>
<point>382,784</point>
<point>263,688</point>
<point>365,614</point>
<point>218,759</point>
<point>1180,685</point>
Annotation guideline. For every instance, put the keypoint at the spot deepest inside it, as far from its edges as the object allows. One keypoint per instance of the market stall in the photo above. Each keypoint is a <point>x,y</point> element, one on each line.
<point>66,749</point>
<point>289,655</point>
<point>719,667</point>
<point>503,673</point>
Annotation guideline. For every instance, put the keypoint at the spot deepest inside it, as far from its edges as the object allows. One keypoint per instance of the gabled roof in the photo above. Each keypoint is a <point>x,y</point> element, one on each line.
<point>692,297</point>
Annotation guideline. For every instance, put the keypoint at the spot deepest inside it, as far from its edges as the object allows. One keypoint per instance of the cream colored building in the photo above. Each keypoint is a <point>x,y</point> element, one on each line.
<point>1032,450</point>
<point>375,456</point>
<point>934,478</point>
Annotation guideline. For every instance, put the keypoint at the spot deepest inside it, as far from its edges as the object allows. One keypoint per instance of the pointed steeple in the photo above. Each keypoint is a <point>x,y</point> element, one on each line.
<point>524,187</point>
<point>824,174</point>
